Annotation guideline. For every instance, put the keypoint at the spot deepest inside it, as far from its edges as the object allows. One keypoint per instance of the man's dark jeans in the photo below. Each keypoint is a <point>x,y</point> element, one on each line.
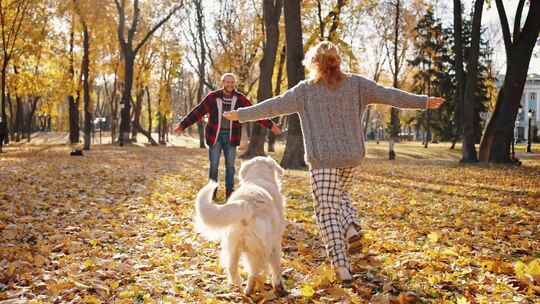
<point>214,154</point>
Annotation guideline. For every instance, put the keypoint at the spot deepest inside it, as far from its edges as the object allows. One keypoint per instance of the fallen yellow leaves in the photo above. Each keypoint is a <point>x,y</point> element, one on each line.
<point>108,228</point>
<point>434,237</point>
<point>529,274</point>
<point>89,299</point>
<point>307,291</point>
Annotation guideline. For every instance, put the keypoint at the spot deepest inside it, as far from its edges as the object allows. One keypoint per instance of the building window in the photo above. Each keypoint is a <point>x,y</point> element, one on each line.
<point>532,101</point>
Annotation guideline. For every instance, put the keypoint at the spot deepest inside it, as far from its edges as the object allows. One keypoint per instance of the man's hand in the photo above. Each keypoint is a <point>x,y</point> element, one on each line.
<point>276,129</point>
<point>178,129</point>
<point>231,115</point>
<point>434,102</point>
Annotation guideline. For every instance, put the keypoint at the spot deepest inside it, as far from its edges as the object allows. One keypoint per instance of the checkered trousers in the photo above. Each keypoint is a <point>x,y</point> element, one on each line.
<point>334,210</point>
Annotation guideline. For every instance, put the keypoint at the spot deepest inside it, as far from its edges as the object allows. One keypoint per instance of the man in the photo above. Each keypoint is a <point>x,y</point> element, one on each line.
<point>221,133</point>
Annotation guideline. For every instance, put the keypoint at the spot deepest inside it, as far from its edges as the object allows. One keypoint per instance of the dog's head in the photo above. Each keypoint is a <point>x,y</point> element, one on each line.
<point>261,166</point>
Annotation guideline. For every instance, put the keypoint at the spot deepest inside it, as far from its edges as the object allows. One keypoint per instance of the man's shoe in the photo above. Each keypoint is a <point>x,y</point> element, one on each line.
<point>228,193</point>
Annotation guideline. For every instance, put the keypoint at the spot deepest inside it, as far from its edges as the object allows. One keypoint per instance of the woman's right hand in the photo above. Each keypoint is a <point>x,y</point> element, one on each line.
<point>231,115</point>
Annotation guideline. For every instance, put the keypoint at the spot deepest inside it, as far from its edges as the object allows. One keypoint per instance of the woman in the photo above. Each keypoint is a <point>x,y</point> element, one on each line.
<point>330,105</point>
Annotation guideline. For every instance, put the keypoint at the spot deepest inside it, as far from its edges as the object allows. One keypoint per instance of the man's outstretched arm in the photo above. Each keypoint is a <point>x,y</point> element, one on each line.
<point>195,115</point>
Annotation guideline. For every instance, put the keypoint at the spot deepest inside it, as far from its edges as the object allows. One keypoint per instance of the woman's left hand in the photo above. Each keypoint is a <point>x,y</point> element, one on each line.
<point>231,115</point>
<point>434,102</point>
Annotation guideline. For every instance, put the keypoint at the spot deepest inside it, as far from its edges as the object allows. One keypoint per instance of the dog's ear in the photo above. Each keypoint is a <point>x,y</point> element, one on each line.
<point>277,168</point>
<point>243,167</point>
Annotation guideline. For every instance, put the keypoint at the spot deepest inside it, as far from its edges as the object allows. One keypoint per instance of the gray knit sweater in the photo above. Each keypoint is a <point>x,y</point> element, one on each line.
<point>331,119</point>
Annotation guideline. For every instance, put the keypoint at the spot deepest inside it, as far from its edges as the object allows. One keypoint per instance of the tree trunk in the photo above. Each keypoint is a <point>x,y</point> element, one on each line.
<point>114,122</point>
<point>136,124</point>
<point>394,112</point>
<point>162,130</point>
<point>149,106</point>
<point>272,137</point>
<point>468,150</point>
<point>277,90</point>
<point>159,126</point>
<point>86,88</point>
<point>73,120</point>
<point>129,51</point>
<point>125,104</point>
<point>279,78</point>
<point>495,145</point>
<point>137,115</point>
<point>114,114</point>
<point>12,119</point>
<point>73,104</point>
<point>5,125</point>
<point>428,111</point>
<point>293,157</point>
<point>271,15</point>
<point>366,121</point>
<point>201,67</point>
<point>18,118</point>
<point>460,75</point>
<point>166,130</point>
<point>30,117</point>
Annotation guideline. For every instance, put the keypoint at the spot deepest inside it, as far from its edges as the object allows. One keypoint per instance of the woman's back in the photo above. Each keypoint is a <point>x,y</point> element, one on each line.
<point>331,118</point>
<point>331,124</point>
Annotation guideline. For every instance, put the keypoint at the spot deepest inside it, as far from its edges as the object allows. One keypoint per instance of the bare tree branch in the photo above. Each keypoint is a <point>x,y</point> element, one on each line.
<point>121,24</point>
<point>505,27</point>
<point>335,18</point>
<point>156,27</point>
<point>321,22</point>
<point>517,21</point>
<point>134,22</point>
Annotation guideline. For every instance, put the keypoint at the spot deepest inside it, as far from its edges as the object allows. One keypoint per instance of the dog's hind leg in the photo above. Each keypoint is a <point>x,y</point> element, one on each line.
<point>234,275</point>
<point>275,269</point>
<point>251,283</point>
<point>254,273</point>
<point>231,258</point>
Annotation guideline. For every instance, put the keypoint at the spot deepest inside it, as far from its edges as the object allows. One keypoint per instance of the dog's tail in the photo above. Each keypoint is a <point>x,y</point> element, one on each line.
<point>210,218</point>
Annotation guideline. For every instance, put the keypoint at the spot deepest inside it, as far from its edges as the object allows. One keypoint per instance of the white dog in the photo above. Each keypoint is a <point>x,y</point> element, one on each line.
<point>250,225</point>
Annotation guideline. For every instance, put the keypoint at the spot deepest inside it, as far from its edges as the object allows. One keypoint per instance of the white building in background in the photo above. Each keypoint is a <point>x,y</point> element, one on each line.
<point>530,100</point>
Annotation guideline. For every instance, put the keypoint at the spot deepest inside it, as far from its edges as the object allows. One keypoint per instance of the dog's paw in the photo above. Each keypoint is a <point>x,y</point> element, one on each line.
<point>235,282</point>
<point>249,290</point>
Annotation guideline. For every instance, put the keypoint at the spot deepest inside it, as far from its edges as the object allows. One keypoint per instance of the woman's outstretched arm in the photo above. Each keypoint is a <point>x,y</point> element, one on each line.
<point>376,93</point>
<point>287,103</point>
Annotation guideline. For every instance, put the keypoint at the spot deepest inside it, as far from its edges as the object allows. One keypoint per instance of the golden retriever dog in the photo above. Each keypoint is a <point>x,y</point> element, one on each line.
<point>249,225</point>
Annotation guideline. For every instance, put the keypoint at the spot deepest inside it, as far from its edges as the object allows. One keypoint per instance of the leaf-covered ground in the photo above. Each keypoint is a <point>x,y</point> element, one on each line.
<point>115,226</point>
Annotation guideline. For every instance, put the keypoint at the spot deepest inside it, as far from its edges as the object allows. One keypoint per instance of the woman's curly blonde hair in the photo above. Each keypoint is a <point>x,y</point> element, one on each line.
<point>324,64</point>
